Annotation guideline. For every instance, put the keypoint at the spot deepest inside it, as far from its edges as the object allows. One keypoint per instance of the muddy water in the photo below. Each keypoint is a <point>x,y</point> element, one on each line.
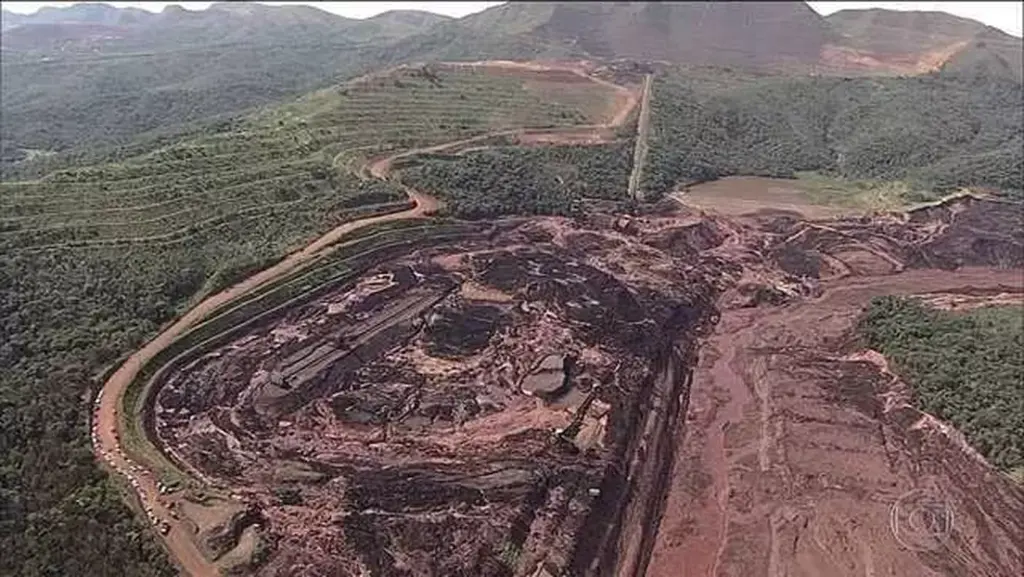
<point>742,195</point>
<point>731,402</point>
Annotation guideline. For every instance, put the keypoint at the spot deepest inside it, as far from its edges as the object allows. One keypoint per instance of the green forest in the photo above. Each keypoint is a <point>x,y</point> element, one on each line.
<point>177,73</point>
<point>938,131</point>
<point>512,180</point>
<point>966,368</point>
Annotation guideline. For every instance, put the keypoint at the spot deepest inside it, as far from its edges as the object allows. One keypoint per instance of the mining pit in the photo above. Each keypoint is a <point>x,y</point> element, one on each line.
<point>548,399</point>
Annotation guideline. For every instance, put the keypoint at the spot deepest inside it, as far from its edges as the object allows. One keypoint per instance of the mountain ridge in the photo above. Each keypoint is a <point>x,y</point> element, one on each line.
<point>86,73</point>
<point>714,33</point>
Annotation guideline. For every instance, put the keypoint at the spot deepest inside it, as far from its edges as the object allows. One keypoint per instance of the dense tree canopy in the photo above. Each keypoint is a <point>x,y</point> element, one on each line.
<point>965,368</point>
<point>515,180</point>
<point>936,131</point>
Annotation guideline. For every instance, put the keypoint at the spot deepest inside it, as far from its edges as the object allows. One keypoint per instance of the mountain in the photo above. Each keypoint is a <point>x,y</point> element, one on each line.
<point>723,33</point>
<point>394,24</point>
<point>990,52</point>
<point>101,28</point>
<point>896,32</point>
<point>85,13</point>
<point>93,74</point>
<point>922,41</point>
<point>778,35</point>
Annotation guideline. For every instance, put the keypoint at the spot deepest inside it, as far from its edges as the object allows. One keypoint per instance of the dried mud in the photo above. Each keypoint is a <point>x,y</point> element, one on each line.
<point>670,394</point>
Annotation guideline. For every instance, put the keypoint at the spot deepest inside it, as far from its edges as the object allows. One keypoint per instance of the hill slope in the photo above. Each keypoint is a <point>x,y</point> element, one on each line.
<point>696,32</point>
<point>938,131</point>
<point>921,41</point>
<point>895,32</point>
<point>157,230</point>
<point>92,75</point>
<point>73,77</point>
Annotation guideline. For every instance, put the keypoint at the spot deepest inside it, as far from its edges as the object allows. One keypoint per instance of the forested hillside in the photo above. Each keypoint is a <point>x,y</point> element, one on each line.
<point>965,368</point>
<point>510,180</point>
<point>91,77</point>
<point>938,131</point>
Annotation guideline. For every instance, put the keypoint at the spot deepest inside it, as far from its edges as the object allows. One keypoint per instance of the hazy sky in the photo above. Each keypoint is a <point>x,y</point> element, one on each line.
<point>1006,16</point>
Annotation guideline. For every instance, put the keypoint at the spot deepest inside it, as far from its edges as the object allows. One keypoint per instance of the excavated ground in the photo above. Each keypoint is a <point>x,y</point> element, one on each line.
<point>520,404</point>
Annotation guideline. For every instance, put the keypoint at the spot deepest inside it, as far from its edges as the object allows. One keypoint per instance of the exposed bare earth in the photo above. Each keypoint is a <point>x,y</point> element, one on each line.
<point>918,62</point>
<point>107,444</point>
<point>745,195</point>
<point>795,450</point>
<point>400,408</point>
<point>796,447</point>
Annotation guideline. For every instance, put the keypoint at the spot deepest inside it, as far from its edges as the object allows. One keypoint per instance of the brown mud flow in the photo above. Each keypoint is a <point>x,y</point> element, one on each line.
<point>548,397</point>
<point>797,449</point>
<point>406,412</point>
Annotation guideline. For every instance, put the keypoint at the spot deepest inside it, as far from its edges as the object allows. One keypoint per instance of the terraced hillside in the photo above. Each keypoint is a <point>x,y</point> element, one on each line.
<point>93,260</point>
<point>79,78</point>
<point>292,160</point>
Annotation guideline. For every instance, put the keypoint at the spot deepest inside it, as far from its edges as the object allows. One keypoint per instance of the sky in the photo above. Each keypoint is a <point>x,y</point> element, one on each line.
<point>1006,16</point>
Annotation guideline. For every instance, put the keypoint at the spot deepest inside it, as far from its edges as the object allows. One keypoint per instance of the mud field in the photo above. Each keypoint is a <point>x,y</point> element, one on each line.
<point>670,394</point>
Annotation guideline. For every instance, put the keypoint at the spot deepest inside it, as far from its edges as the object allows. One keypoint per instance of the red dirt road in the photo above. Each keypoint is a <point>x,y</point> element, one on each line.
<point>781,472</point>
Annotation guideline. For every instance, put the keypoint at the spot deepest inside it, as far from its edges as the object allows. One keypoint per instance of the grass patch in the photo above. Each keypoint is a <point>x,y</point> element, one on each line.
<point>866,195</point>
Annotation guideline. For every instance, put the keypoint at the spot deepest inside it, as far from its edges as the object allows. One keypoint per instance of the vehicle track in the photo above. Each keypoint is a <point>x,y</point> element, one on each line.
<point>106,441</point>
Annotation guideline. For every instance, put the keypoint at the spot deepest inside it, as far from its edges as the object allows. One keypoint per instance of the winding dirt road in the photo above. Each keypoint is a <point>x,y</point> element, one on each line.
<point>106,442</point>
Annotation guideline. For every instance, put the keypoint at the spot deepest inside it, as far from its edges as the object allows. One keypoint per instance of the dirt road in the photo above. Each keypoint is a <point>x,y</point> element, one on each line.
<point>106,442</point>
<point>640,148</point>
<point>105,437</point>
<point>774,476</point>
